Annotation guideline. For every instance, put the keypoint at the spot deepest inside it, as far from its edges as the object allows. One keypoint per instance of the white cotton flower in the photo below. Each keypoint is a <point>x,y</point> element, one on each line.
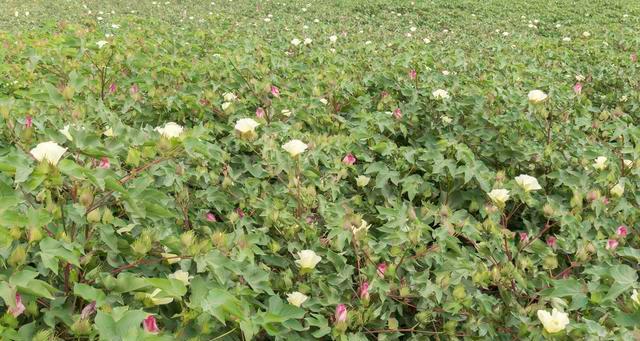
<point>413,29</point>
<point>362,181</point>
<point>226,105</point>
<point>628,163</point>
<point>308,259</point>
<point>115,26</point>
<point>170,130</point>
<point>295,147</point>
<point>586,34</point>
<point>101,43</point>
<point>182,276</point>
<point>426,40</point>
<point>617,190</point>
<point>285,112</point>
<point>566,39</point>
<point>554,322</point>
<point>537,96</point>
<point>505,33</point>
<point>440,94</point>
<point>307,41</point>
<point>580,78</point>
<point>108,132</point>
<point>295,42</point>
<point>528,183</point>
<point>296,298</point>
<point>558,25</point>
<point>65,131</point>
<point>333,39</point>
<point>229,96</point>
<point>600,163</point>
<point>446,119</point>
<point>367,42</point>
<point>445,72</point>
<point>324,101</point>
<point>267,19</point>
<point>48,151</point>
<point>246,125</point>
<point>499,196</point>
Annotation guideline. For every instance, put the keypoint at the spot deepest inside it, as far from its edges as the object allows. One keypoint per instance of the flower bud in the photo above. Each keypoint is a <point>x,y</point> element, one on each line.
<point>18,256</point>
<point>94,216</point>
<point>35,234</point>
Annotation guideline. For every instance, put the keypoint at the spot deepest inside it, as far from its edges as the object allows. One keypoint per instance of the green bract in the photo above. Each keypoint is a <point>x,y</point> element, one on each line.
<point>293,170</point>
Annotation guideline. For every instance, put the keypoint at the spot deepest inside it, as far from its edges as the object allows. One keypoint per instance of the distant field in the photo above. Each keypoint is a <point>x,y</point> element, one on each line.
<point>298,170</point>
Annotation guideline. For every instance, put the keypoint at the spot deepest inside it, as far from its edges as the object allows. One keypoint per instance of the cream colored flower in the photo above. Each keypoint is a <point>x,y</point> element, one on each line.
<point>295,147</point>
<point>48,151</point>
<point>295,42</point>
<point>226,105</point>
<point>171,258</point>
<point>528,183</point>
<point>333,39</point>
<point>554,322</point>
<point>108,132</point>
<point>600,163</point>
<point>286,112</point>
<point>499,196</point>
<point>307,41</point>
<point>308,259</point>
<point>245,125</point>
<point>182,276</point>
<point>362,180</point>
<point>324,101</point>
<point>618,190</point>
<point>296,298</point>
<point>537,96</point>
<point>586,34</point>
<point>362,228</point>
<point>158,300</point>
<point>170,130</point>
<point>446,119</point>
<point>440,94</point>
<point>566,39</point>
<point>101,44</point>
<point>628,163</point>
<point>229,96</point>
<point>65,131</point>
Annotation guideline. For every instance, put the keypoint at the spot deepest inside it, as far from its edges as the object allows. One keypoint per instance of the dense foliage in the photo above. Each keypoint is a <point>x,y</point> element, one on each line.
<point>332,170</point>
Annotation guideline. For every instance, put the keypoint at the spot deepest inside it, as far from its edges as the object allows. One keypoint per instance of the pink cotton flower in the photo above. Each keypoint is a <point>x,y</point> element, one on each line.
<point>150,325</point>
<point>341,313</point>
<point>28,122</point>
<point>134,89</point>
<point>384,94</point>
<point>634,57</point>
<point>551,241</point>
<point>397,113</point>
<point>349,159</point>
<point>19,308</point>
<point>211,217</point>
<point>524,237</point>
<point>88,310</point>
<point>612,244</point>
<point>622,231</point>
<point>204,102</point>
<point>605,200</point>
<point>413,74</point>
<point>381,269</point>
<point>260,113</point>
<point>112,88</point>
<point>104,163</point>
<point>240,212</point>
<point>363,291</point>
<point>577,88</point>
<point>275,91</point>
